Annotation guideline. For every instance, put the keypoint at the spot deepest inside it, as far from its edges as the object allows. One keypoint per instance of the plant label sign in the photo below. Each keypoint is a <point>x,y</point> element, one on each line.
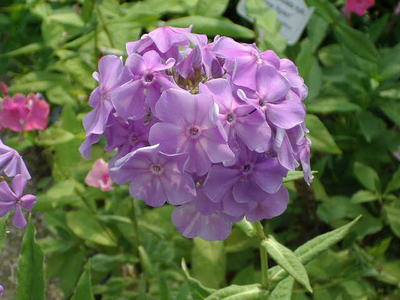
<point>292,14</point>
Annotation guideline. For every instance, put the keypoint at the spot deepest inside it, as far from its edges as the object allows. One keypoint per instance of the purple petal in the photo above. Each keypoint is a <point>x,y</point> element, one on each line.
<point>179,187</point>
<point>204,204</point>
<point>149,189</point>
<point>171,137</point>
<point>86,148</point>
<point>219,181</point>
<point>28,201</point>
<point>273,206</point>
<point>246,190</point>
<point>215,145</point>
<point>221,90</point>
<point>136,64</point>
<point>236,209</point>
<point>268,174</point>
<point>95,121</point>
<point>129,100</point>
<point>110,67</point>
<point>271,84</point>
<point>271,58</point>
<point>18,185</point>
<point>286,114</point>
<point>19,219</point>
<point>245,72</point>
<point>6,193</point>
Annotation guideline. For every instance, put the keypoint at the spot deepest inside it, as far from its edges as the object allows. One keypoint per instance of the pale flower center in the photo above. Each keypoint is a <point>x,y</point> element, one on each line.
<point>156,169</point>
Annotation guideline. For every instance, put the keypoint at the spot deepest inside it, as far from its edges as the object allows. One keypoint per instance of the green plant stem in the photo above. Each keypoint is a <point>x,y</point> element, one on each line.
<point>103,24</point>
<point>135,227</point>
<point>263,254</point>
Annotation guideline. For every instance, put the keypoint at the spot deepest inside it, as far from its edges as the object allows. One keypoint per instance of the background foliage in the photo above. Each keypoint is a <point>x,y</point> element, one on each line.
<point>352,69</point>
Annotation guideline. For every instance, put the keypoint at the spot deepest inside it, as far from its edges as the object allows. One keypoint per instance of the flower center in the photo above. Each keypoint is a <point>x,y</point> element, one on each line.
<point>148,78</point>
<point>261,102</point>
<point>246,168</point>
<point>156,169</point>
<point>134,138</point>
<point>193,132</point>
<point>230,117</point>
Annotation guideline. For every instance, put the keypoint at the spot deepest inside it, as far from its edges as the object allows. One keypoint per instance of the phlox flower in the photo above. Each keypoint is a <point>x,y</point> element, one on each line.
<point>155,177</point>
<point>149,80</point>
<point>99,176</point>
<point>13,200</point>
<point>189,124</point>
<point>11,162</point>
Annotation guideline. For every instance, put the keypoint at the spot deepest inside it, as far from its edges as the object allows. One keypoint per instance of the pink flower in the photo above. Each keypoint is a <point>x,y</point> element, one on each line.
<point>24,113</point>
<point>359,6</point>
<point>397,10</point>
<point>99,176</point>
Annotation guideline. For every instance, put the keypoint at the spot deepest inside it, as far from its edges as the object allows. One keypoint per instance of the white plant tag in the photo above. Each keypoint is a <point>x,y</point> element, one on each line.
<point>292,14</point>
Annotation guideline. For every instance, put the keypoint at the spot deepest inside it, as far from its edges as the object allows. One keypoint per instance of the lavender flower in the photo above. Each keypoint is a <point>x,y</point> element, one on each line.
<point>13,199</point>
<point>212,127</point>
<point>11,162</point>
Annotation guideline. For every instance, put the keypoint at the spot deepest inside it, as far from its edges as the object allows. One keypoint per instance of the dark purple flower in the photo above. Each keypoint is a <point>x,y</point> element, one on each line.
<point>155,177</point>
<point>13,199</point>
<point>189,124</point>
<point>11,162</point>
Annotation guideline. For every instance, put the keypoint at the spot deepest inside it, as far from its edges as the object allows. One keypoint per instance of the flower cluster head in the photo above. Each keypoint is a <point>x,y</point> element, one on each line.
<point>20,113</point>
<point>12,198</point>
<point>211,127</point>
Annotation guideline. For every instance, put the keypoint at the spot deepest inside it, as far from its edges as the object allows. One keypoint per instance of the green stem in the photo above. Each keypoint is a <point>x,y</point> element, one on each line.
<point>263,254</point>
<point>135,227</point>
<point>103,24</point>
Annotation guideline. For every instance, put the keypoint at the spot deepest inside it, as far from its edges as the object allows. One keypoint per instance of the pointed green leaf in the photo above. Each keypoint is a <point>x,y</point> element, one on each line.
<point>210,8</point>
<point>394,183</point>
<point>367,176</point>
<point>295,175</point>
<point>199,291</point>
<point>283,291</point>
<point>30,269</point>
<point>86,226</point>
<point>313,248</point>
<point>332,105</point>
<point>208,262</point>
<point>287,260</point>
<point>320,136</point>
<point>364,196</point>
<point>84,288</point>
<point>164,291</point>
<point>357,42</point>
<point>238,292</point>
<point>393,215</point>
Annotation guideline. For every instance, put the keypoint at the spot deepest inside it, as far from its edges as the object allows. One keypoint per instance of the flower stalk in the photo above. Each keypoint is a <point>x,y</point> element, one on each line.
<point>263,254</point>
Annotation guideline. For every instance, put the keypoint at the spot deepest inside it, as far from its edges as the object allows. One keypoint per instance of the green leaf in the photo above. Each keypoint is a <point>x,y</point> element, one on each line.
<point>317,28</point>
<point>392,109</point>
<point>199,291</point>
<point>367,176</point>
<point>208,262</point>
<point>325,9</point>
<point>394,183</point>
<point>310,250</point>
<point>320,137</point>
<point>28,49</point>
<point>30,269</point>
<point>210,8</point>
<point>84,287</point>
<point>59,95</point>
<point>69,121</point>
<point>3,231</point>
<point>54,136</point>
<point>370,125</point>
<point>393,215</point>
<point>357,42</point>
<point>87,10</point>
<point>238,292</point>
<point>86,226</point>
<point>164,291</point>
<point>364,196</point>
<point>283,291</point>
<point>295,175</point>
<point>105,263</point>
<point>213,26</point>
<point>332,105</point>
<point>146,262</point>
<point>287,260</point>
<point>246,227</point>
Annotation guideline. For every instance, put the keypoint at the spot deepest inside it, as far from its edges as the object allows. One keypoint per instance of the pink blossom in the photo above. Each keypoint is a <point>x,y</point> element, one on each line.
<point>359,6</point>
<point>20,113</point>
<point>397,10</point>
<point>99,176</point>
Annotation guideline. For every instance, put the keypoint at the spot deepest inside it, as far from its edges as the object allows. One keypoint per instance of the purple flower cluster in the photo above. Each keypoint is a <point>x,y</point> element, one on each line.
<point>12,165</point>
<point>211,127</point>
